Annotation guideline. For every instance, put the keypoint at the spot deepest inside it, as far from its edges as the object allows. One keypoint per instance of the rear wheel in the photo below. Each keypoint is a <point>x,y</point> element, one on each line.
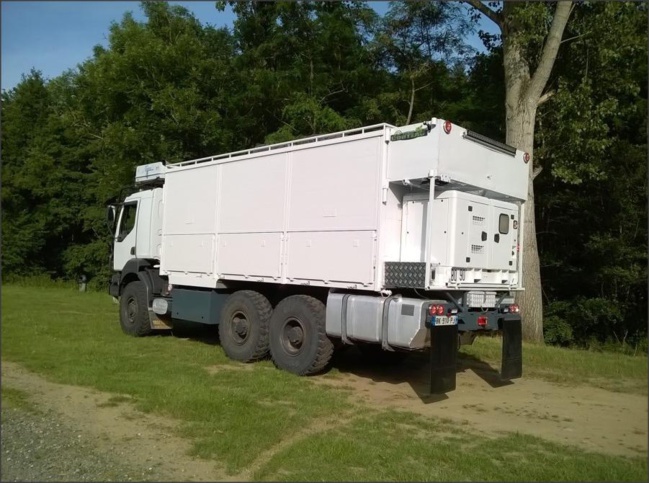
<point>298,338</point>
<point>134,310</point>
<point>243,328</point>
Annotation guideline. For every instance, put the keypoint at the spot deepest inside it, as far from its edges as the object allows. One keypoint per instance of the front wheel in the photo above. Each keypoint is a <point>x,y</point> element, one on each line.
<point>134,310</point>
<point>298,338</point>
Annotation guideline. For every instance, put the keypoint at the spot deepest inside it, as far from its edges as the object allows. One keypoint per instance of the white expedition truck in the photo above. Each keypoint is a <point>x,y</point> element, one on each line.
<point>389,238</point>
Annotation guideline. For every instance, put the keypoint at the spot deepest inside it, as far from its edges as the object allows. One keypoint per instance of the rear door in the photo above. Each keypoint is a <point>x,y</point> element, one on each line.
<point>413,229</point>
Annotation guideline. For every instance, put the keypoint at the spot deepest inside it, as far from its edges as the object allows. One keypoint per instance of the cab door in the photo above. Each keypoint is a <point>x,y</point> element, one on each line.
<point>125,235</point>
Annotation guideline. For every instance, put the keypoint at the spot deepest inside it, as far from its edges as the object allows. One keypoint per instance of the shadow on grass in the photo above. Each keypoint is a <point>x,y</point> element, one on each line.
<point>194,331</point>
<point>413,370</point>
<point>482,369</point>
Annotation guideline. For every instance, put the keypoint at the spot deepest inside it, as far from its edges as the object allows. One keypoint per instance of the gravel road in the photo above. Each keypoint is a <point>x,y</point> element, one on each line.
<point>39,446</point>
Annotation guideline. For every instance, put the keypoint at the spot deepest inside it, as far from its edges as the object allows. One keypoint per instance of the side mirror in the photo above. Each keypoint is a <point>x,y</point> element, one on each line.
<point>111,215</point>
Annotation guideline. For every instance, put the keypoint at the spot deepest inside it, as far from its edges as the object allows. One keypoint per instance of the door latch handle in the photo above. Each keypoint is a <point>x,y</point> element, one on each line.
<point>132,250</point>
<point>484,236</point>
<point>497,238</point>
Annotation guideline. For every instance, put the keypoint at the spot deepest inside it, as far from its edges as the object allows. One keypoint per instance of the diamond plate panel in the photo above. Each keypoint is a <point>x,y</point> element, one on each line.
<point>405,274</point>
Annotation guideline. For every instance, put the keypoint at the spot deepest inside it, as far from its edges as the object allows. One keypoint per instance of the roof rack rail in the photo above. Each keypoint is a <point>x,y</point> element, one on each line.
<point>272,147</point>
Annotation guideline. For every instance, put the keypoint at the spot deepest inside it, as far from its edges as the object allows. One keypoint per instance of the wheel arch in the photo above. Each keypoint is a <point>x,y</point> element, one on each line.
<point>144,271</point>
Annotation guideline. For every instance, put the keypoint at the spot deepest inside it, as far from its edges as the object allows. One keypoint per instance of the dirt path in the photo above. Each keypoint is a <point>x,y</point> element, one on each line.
<point>593,419</point>
<point>142,440</point>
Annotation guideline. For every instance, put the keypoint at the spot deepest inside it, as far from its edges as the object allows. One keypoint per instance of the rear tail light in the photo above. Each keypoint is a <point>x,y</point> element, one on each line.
<point>436,309</point>
<point>511,309</point>
<point>482,321</point>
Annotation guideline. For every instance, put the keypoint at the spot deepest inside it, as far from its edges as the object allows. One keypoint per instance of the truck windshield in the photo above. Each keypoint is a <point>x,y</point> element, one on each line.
<point>127,221</point>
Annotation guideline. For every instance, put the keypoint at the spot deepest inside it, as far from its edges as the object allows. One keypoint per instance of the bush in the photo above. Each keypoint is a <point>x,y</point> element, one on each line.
<point>557,331</point>
<point>43,280</point>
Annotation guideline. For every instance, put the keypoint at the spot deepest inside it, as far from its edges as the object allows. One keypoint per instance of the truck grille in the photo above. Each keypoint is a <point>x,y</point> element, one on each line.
<point>481,299</point>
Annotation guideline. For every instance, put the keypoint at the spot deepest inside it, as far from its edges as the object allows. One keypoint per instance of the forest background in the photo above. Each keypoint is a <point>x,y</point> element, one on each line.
<point>170,88</point>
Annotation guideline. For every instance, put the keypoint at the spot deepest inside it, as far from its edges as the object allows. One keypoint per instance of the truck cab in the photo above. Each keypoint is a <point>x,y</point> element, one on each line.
<point>139,228</point>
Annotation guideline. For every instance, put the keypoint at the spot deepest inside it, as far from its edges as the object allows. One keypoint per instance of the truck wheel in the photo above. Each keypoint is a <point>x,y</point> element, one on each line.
<point>243,328</point>
<point>298,338</point>
<point>134,310</point>
<point>375,353</point>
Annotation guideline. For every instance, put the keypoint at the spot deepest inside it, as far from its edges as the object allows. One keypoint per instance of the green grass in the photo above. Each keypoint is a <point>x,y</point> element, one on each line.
<point>233,413</point>
<point>607,370</point>
<point>398,446</point>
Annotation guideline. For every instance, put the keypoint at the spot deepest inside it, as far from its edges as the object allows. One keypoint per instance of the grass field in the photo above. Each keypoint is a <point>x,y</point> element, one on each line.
<point>232,414</point>
<point>608,370</point>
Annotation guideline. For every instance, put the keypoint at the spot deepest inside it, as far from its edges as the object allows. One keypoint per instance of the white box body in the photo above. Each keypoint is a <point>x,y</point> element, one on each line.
<point>330,211</point>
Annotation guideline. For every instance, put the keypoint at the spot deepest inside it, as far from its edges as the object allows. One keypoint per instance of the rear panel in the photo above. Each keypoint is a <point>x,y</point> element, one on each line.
<point>470,233</point>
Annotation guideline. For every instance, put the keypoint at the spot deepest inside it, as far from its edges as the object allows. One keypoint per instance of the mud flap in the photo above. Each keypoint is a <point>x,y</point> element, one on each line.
<point>159,323</point>
<point>443,358</point>
<point>512,357</point>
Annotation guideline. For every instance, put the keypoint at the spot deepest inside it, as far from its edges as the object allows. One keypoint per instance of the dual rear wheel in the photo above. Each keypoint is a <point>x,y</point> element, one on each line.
<point>294,333</point>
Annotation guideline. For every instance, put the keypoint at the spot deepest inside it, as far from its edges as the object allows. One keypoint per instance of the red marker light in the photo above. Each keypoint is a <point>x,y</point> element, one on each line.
<point>482,321</point>
<point>436,310</point>
<point>526,157</point>
<point>447,127</point>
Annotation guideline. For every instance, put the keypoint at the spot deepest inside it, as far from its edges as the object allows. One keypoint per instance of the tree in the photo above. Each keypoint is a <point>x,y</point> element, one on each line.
<point>531,35</point>
<point>417,41</point>
<point>44,174</point>
<point>303,68</point>
<point>591,141</point>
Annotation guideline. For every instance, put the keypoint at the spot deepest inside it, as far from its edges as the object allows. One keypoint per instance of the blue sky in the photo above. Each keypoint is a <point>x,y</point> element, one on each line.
<point>55,36</point>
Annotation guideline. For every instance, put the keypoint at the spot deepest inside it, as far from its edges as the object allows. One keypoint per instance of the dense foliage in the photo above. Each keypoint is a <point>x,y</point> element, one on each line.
<point>171,88</point>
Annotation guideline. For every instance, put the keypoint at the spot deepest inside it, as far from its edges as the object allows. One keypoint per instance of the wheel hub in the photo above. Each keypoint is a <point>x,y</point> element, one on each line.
<point>293,336</point>
<point>131,309</point>
<point>240,327</point>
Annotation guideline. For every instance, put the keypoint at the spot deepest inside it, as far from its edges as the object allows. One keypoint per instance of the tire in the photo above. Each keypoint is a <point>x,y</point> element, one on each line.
<point>298,338</point>
<point>375,353</point>
<point>134,310</point>
<point>243,328</point>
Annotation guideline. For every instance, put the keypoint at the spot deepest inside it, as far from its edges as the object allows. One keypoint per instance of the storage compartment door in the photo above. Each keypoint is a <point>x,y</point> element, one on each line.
<point>503,238</point>
<point>413,236</point>
<point>477,250</point>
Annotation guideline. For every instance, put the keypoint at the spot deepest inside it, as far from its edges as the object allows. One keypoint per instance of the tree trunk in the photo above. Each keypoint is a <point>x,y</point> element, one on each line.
<point>521,115</point>
<point>412,99</point>
<point>520,133</point>
<point>524,92</point>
